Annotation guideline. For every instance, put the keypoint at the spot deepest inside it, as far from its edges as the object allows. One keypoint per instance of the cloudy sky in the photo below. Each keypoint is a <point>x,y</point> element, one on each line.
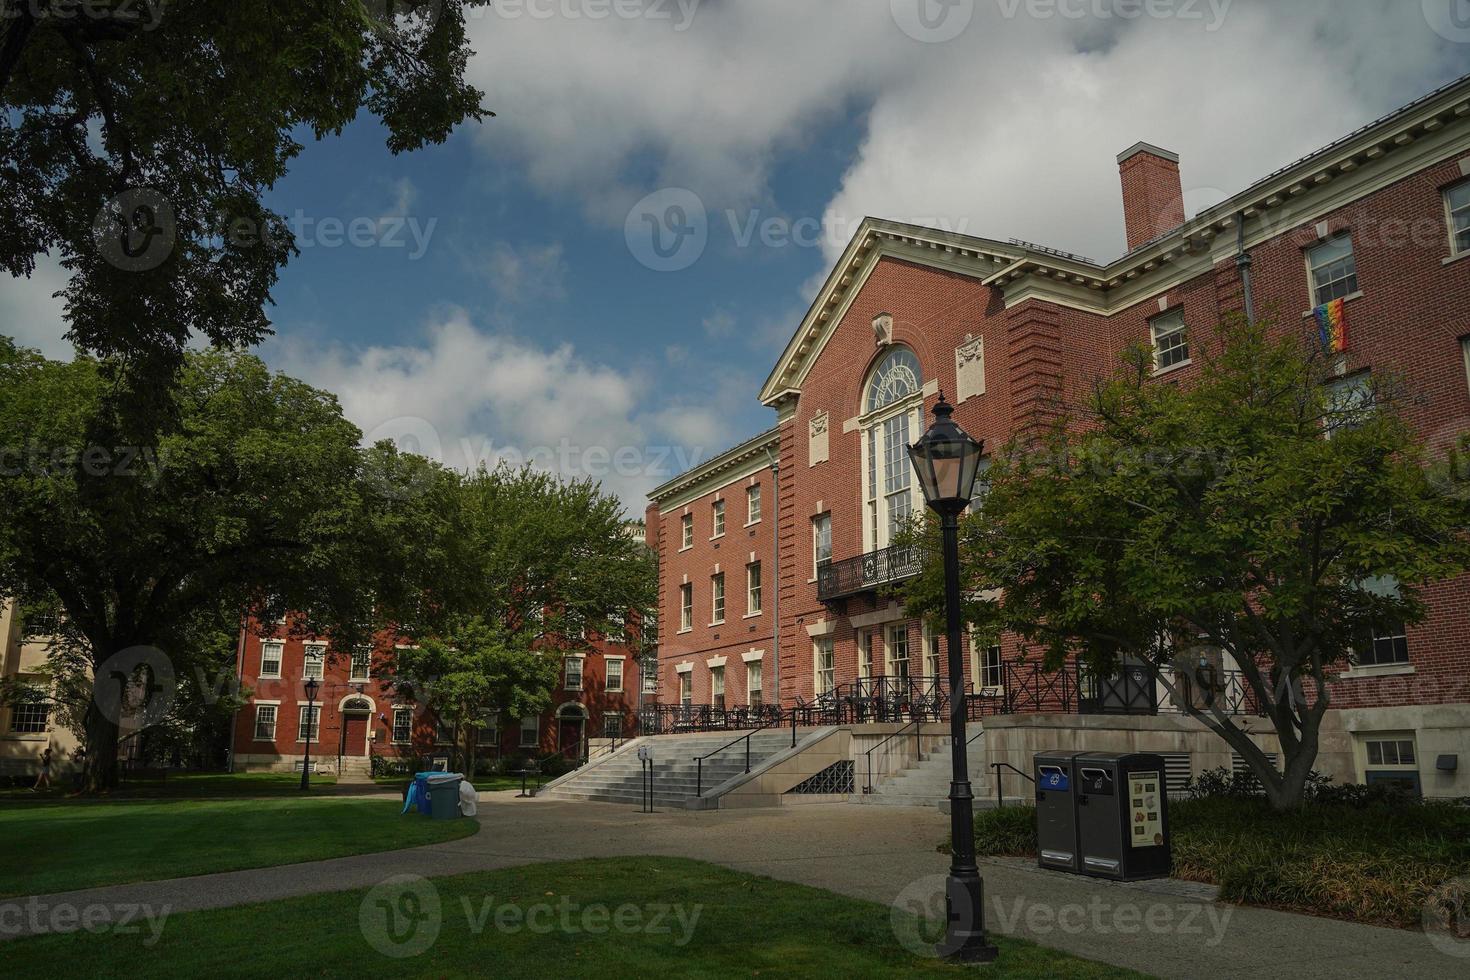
<point>600,277</point>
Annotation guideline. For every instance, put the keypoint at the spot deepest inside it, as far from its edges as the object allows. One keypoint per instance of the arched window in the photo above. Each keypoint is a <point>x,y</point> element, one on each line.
<point>896,378</point>
<point>894,394</point>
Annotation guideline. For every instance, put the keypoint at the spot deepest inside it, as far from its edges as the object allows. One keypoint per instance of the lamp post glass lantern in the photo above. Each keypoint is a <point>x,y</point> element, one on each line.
<point>311,721</point>
<point>947,461</point>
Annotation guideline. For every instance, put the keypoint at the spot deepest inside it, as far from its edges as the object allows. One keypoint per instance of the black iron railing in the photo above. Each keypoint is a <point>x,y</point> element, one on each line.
<point>1029,689</point>
<point>670,719</point>
<point>852,576</point>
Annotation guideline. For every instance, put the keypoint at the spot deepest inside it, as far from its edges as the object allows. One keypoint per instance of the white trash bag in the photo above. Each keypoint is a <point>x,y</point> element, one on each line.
<point>469,799</point>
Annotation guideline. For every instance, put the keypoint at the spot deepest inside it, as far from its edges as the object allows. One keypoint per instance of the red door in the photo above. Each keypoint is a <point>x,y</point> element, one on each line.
<point>354,734</point>
<point>571,738</point>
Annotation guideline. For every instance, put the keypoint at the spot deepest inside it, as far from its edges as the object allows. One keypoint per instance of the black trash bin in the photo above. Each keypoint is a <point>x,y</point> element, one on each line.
<point>444,796</point>
<point>1056,810</point>
<point>1122,816</point>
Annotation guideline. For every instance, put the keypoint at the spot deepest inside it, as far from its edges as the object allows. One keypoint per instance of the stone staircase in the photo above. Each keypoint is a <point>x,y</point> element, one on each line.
<point>927,783</point>
<point>618,777</point>
<point>355,771</point>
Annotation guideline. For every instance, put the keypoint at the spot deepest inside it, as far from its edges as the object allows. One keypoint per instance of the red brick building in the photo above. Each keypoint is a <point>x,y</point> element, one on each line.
<point>357,715</point>
<point>774,555</point>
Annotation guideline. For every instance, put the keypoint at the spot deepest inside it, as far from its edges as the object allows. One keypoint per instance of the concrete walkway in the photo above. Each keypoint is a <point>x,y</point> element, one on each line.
<point>884,854</point>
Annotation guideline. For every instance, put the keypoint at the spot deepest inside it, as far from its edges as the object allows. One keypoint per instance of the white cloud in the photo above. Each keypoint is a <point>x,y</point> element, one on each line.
<point>466,396</point>
<point>528,272</point>
<point>30,313</point>
<point>1009,129</point>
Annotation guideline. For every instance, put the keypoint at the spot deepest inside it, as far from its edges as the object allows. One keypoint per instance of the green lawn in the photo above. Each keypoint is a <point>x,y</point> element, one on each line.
<point>660,917</point>
<point>62,846</point>
<point>188,784</point>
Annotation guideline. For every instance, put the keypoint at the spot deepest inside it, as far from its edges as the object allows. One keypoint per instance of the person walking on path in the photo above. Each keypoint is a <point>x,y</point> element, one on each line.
<point>45,778</point>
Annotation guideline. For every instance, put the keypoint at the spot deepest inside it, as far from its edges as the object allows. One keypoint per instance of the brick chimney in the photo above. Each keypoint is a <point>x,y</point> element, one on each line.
<point>1153,195</point>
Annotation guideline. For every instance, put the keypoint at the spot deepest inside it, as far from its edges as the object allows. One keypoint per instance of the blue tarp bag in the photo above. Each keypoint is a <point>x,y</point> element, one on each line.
<point>418,794</point>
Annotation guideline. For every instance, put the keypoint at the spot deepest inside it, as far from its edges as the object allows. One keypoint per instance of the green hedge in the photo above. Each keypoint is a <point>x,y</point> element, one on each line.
<point>1375,863</point>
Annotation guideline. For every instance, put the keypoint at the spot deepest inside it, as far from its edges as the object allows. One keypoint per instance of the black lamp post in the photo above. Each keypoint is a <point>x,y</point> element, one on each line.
<point>947,461</point>
<point>311,721</point>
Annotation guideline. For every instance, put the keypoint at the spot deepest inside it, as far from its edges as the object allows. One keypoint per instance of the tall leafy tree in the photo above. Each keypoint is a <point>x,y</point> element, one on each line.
<point>538,565</point>
<point>138,137</point>
<point>249,496</point>
<point>473,676</point>
<point>1270,508</point>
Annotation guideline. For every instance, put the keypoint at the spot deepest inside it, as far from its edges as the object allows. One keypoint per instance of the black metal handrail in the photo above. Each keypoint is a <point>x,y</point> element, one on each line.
<point>1000,800</point>
<point>699,759</point>
<point>852,576</point>
<point>917,725</point>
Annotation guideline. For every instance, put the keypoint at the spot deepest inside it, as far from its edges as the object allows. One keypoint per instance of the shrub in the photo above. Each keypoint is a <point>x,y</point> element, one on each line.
<point>1353,853</point>
<point>1006,831</point>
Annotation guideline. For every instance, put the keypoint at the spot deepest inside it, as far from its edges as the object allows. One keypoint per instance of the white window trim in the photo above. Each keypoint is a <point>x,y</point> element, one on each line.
<point>718,507</point>
<point>755,669</point>
<point>876,534</point>
<point>1449,219</point>
<point>316,711</point>
<point>307,656</point>
<point>714,619</point>
<point>367,675</point>
<point>622,674</point>
<point>686,609</point>
<point>566,667</point>
<point>280,661</point>
<point>754,491</point>
<point>275,721</point>
<point>890,662</point>
<point>1168,318</point>
<point>393,724</point>
<point>819,644</point>
<point>536,739</point>
<point>686,540</point>
<point>816,538</point>
<point>1312,270</point>
<point>756,610</point>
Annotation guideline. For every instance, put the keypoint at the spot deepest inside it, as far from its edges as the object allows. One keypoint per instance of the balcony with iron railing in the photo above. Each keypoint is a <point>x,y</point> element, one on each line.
<point>867,573</point>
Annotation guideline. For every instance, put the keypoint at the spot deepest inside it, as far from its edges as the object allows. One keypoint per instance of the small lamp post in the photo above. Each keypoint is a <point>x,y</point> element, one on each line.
<point>947,462</point>
<point>311,720</point>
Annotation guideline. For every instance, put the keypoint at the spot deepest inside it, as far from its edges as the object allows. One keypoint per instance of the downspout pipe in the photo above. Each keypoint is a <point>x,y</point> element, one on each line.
<point>1243,263</point>
<point>776,571</point>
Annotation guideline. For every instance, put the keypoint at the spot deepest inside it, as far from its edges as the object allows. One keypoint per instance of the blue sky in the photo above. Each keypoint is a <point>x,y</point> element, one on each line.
<point>525,317</point>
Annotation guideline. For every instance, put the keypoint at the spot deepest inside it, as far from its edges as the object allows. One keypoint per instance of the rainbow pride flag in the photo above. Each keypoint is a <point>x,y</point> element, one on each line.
<point>1332,326</point>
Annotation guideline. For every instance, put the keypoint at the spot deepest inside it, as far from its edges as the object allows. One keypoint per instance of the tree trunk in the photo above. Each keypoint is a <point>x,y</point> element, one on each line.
<point>99,767</point>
